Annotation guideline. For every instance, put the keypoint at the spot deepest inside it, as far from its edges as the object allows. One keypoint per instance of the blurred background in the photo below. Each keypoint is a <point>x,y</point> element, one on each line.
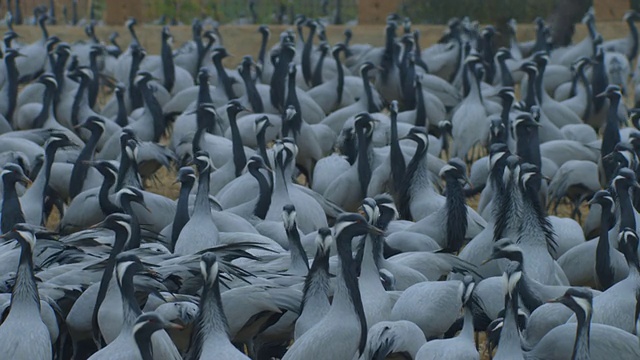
<point>560,14</point>
<point>280,11</point>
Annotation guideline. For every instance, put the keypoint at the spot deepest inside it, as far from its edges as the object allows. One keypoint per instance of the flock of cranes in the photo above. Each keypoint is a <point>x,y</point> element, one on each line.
<point>322,211</point>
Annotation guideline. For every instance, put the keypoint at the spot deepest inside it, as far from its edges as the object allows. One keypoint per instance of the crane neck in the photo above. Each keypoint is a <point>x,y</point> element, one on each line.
<point>589,93</point>
<point>364,167</point>
<point>505,73</point>
<point>130,308</point>
<point>135,234</point>
<point>81,166</point>
<point>316,284</point>
<point>263,49</point>
<point>223,78</point>
<point>211,322</point>
<point>12,86</point>
<point>627,211</point>
<point>239,157</point>
<point>135,94</point>
<point>121,238</point>
<point>264,198</point>
<point>611,135</point>
<point>25,296</point>
<point>306,56</point>
<point>372,107</point>
<point>168,68</point>
<point>633,33</point>
<point>456,214</point>
<point>94,83</point>
<point>78,99</point>
<point>510,334</point>
<point>11,207</point>
<point>421,108</point>
<point>47,109</point>
<point>153,107</point>
<point>201,205</point>
<point>299,264</point>
<point>106,206</point>
<point>316,78</point>
<point>122,119</point>
<point>340,78</point>
<point>347,295</point>
<point>398,166</point>
<point>604,270</point>
<point>182,212</point>
<point>252,92</point>
<point>581,350</point>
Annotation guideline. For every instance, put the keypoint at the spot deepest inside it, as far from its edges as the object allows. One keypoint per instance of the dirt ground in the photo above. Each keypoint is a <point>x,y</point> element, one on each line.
<point>243,40</point>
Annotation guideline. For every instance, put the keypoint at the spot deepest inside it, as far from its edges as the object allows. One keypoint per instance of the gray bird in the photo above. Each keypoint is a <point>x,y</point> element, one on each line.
<point>342,332</point>
<point>24,321</point>
<point>584,340</point>
<point>210,338</point>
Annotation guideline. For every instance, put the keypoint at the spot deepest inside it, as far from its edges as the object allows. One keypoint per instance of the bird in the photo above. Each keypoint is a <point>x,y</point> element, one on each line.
<point>24,315</point>
<point>315,300</point>
<point>11,210</point>
<point>387,338</point>
<point>345,319</point>
<point>510,346</point>
<point>470,115</point>
<point>461,346</point>
<point>589,340</point>
<point>601,265</point>
<point>200,232</point>
<point>210,338</point>
<point>146,325</point>
<point>125,345</point>
<point>611,304</point>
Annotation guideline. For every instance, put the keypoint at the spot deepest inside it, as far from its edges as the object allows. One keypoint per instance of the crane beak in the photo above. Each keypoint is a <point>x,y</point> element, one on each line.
<point>25,180</point>
<point>264,166</point>
<point>374,230</point>
<point>97,226</point>
<point>175,326</point>
<point>556,300</point>
<point>488,259</point>
<point>602,94</point>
